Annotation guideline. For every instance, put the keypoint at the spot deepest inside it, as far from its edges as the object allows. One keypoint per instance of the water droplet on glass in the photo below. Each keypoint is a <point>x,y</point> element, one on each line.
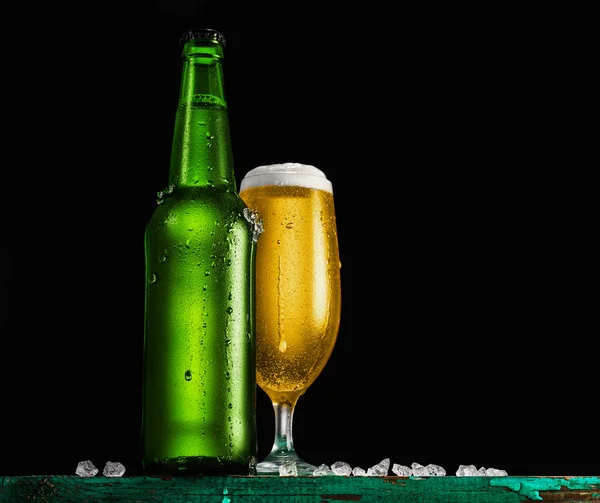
<point>229,310</point>
<point>204,288</point>
<point>289,225</point>
<point>152,279</point>
<point>207,273</point>
<point>230,406</point>
<point>188,375</point>
<point>188,243</point>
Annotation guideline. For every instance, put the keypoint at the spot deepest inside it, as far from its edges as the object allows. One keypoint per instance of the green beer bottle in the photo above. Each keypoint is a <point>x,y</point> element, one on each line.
<point>199,377</point>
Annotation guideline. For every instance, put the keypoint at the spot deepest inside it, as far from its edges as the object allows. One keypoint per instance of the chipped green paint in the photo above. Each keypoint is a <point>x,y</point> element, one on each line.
<point>530,487</point>
<point>272,489</point>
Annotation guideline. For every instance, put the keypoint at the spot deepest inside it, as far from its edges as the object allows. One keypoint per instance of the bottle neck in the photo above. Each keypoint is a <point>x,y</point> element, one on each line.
<point>201,154</point>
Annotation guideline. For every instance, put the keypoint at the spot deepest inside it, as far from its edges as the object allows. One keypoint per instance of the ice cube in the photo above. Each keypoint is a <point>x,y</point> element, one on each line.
<point>466,471</point>
<point>357,471</point>
<point>86,469</point>
<point>113,469</point>
<point>288,469</point>
<point>419,470</point>
<point>401,470</point>
<point>494,472</point>
<point>435,470</point>
<point>322,470</point>
<point>341,468</point>
<point>380,469</point>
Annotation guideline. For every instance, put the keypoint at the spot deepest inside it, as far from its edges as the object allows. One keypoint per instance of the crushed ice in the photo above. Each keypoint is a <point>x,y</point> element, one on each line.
<point>473,471</point>
<point>381,469</point>
<point>111,469</point>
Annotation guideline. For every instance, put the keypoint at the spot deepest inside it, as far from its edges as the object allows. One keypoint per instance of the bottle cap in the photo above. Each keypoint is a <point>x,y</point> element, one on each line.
<point>206,33</point>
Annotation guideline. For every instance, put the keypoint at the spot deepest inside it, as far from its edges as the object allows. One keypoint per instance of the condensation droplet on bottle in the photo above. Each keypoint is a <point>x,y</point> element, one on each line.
<point>228,262</point>
<point>289,225</point>
<point>279,241</point>
<point>230,405</point>
<point>256,223</point>
<point>230,296</point>
<point>162,257</point>
<point>204,288</point>
<point>229,310</point>
<point>190,228</point>
<point>152,279</point>
<point>188,375</point>
<point>201,123</point>
<point>227,375</point>
<point>188,243</point>
<point>282,346</point>
<point>208,134</point>
<point>195,179</point>
<point>206,273</point>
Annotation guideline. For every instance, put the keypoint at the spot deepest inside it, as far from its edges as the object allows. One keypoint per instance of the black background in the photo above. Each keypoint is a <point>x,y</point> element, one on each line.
<point>464,337</point>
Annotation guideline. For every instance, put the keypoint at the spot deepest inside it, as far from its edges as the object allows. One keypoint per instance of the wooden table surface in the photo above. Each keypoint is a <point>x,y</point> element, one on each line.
<point>267,489</point>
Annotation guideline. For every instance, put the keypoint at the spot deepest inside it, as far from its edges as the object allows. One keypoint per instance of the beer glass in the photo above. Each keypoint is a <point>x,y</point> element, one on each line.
<point>298,291</point>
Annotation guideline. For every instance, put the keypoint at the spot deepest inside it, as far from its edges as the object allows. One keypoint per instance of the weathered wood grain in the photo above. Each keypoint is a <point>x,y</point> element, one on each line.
<point>262,489</point>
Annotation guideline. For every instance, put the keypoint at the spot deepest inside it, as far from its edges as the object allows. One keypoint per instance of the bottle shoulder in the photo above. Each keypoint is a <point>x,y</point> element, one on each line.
<point>206,197</point>
<point>199,205</point>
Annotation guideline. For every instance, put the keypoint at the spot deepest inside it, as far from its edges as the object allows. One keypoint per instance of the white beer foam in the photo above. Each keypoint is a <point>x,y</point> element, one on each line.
<point>287,173</point>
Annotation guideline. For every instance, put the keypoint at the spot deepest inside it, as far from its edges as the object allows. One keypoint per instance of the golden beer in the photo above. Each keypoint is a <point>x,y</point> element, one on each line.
<point>298,288</point>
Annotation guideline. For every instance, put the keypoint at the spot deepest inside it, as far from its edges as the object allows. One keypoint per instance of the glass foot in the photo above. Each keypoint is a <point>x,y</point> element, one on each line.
<point>270,465</point>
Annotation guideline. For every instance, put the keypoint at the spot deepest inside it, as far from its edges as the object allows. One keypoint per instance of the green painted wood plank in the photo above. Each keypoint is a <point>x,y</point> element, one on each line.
<point>263,489</point>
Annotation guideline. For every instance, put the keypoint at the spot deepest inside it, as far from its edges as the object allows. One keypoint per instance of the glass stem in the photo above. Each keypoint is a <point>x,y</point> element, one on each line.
<point>283,444</point>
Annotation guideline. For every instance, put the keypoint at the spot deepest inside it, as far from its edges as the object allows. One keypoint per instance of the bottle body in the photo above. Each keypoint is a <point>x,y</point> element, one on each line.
<point>199,379</point>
